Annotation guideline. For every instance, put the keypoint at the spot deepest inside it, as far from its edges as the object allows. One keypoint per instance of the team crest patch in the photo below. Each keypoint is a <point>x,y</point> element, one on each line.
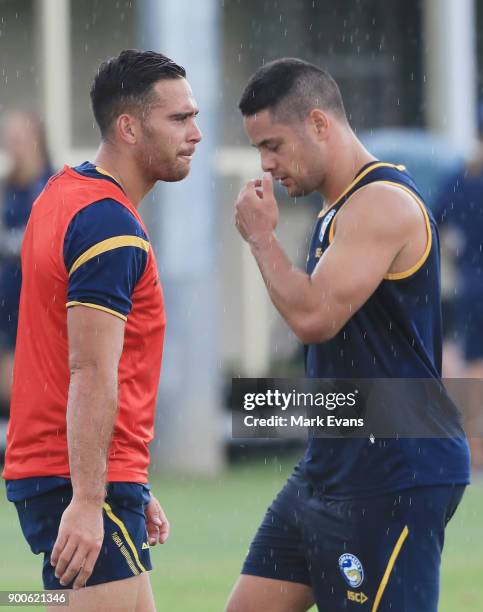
<point>351,569</point>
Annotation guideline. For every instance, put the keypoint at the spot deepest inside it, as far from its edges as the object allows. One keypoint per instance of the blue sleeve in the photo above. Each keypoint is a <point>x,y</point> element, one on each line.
<point>105,254</point>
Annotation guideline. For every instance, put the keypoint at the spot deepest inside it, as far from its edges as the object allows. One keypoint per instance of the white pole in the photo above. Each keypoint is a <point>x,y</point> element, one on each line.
<point>451,73</point>
<point>243,164</point>
<point>183,228</point>
<point>54,29</point>
<point>255,358</point>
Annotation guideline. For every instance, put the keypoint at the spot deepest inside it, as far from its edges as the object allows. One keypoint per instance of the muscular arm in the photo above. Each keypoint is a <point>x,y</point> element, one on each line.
<point>379,230</point>
<point>102,276</point>
<point>95,346</point>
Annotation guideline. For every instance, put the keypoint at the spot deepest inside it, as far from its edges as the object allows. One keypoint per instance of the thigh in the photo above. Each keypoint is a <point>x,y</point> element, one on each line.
<point>411,579</point>
<point>277,550</point>
<point>129,595</point>
<point>381,553</point>
<point>254,593</point>
<point>275,575</point>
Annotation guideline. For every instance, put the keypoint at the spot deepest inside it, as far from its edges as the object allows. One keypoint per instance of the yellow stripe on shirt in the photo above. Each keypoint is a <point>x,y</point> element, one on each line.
<point>116,242</point>
<point>358,179</point>
<point>429,241</point>
<point>106,173</point>
<point>97,307</point>
<point>413,269</point>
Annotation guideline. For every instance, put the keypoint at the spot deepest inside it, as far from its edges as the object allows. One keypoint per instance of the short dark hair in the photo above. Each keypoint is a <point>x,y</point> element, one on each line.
<point>125,83</point>
<point>291,87</point>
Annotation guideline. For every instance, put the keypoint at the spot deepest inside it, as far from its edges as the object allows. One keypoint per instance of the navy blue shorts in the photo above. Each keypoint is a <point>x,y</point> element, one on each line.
<point>125,550</point>
<point>381,553</point>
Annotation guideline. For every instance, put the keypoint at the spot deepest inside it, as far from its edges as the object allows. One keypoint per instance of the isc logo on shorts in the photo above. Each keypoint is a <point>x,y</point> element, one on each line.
<point>357,597</point>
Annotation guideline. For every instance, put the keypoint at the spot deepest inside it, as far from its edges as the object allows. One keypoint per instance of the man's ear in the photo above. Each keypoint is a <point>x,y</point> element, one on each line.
<point>127,127</point>
<point>320,123</point>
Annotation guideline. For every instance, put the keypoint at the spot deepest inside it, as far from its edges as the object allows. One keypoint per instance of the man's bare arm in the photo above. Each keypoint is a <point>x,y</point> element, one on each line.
<point>370,240</point>
<point>95,346</point>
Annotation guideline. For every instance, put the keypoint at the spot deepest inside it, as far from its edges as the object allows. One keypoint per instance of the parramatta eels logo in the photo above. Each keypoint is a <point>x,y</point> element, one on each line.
<point>325,223</point>
<point>351,569</point>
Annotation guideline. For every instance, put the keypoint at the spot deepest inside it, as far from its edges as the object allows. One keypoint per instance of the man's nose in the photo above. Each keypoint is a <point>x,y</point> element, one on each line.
<point>196,136</point>
<point>268,163</point>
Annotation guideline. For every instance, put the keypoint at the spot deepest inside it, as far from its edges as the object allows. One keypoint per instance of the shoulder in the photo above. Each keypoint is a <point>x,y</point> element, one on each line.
<point>103,225</point>
<point>111,212</point>
<point>379,206</point>
<point>103,219</point>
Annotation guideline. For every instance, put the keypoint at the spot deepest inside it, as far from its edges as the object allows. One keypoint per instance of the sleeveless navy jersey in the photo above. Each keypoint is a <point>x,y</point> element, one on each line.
<point>395,334</point>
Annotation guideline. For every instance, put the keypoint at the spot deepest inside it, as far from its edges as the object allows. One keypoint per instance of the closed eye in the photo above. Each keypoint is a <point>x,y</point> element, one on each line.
<point>183,116</point>
<point>269,145</point>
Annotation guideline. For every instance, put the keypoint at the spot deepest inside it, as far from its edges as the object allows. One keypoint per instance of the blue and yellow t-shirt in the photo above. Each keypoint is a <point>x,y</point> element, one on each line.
<point>85,244</point>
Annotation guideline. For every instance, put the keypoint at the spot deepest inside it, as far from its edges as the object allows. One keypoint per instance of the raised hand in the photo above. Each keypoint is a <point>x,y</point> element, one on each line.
<point>256,210</point>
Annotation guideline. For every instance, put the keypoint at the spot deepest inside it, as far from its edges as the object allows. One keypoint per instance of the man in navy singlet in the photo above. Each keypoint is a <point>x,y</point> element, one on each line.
<point>360,523</point>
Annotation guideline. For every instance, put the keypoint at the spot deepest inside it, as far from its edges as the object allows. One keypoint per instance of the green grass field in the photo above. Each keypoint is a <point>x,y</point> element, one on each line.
<point>212,524</point>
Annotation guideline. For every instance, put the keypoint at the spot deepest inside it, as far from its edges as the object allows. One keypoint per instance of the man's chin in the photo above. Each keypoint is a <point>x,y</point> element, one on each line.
<point>175,175</point>
<point>295,192</point>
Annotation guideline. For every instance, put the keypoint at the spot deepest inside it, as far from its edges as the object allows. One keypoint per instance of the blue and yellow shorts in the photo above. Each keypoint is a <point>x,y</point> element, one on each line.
<point>125,549</point>
<point>380,553</point>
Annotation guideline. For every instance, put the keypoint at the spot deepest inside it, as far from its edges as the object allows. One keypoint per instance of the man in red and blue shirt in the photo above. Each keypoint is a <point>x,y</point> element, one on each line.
<point>90,343</point>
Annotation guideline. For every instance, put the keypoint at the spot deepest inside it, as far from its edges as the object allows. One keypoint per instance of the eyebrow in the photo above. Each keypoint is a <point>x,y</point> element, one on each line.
<point>193,113</point>
<point>265,142</point>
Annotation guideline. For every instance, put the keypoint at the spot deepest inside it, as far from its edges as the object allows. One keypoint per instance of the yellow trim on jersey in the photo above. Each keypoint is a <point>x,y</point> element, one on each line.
<point>358,178</point>
<point>424,256</point>
<point>390,565</point>
<point>116,242</point>
<point>106,173</point>
<point>97,307</point>
<point>125,533</point>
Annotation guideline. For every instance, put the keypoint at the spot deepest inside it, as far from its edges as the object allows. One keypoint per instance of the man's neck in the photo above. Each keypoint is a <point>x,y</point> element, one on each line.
<point>348,158</point>
<point>124,170</point>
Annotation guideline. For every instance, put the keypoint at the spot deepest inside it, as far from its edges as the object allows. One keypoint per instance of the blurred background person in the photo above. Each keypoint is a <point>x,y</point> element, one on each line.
<point>26,148</point>
<point>459,209</point>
